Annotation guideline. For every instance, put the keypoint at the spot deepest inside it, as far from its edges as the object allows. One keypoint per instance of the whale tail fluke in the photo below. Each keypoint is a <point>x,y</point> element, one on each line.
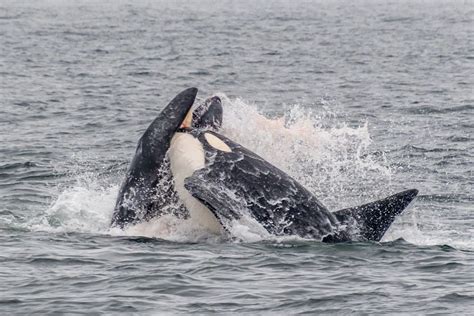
<point>370,221</point>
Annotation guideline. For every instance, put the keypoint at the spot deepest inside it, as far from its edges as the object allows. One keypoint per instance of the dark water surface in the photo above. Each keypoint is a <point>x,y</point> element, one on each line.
<point>377,97</point>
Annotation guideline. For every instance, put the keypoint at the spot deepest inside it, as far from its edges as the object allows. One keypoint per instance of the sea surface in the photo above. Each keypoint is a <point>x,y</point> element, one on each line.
<point>355,99</point>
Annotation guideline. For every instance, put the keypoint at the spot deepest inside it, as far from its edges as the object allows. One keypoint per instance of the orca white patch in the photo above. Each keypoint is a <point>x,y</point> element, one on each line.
<point>217,143</point>
<point>186,155</point>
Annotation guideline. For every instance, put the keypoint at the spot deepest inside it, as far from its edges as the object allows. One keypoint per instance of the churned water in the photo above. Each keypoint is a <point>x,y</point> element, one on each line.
<point>355,99</point>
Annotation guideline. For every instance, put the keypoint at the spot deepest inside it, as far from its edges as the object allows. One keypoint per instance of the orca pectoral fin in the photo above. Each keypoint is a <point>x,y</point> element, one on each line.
<point>371,220</point>
<point>221,201</point>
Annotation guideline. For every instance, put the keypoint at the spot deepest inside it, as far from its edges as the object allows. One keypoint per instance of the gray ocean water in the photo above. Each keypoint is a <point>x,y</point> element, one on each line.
<point>355,99</point>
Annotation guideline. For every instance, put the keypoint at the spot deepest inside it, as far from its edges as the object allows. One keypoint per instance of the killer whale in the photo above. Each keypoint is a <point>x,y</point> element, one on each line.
<point>230,181</point>
<point>148,190</point>
<point>236,182</point>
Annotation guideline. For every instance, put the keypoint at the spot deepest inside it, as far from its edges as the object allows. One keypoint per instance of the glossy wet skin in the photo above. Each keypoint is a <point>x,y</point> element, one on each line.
<point>208,115</point>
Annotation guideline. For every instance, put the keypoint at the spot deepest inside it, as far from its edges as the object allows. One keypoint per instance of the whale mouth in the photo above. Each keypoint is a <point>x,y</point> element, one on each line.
<point>207,115</point>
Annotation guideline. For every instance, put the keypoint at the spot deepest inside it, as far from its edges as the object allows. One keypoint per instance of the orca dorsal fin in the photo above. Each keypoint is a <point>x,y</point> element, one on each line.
<point>370,221</point>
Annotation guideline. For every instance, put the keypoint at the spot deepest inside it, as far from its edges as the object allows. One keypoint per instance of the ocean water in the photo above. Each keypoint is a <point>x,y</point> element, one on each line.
<point>355,99</point>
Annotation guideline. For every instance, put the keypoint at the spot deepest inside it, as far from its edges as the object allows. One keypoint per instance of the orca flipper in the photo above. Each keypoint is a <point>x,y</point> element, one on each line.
<point>137,196</point>
<point>223,203</point>
<point>371,221</point>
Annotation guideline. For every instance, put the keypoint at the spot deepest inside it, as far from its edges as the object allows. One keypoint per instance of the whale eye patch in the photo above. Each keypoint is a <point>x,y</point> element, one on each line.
<point>217,143</point>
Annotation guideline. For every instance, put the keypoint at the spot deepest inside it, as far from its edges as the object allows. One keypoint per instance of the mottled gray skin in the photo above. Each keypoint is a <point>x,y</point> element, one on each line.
<point>241,182</point>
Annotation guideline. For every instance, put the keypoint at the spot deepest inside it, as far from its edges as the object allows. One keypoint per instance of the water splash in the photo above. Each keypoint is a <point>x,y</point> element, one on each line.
<point>332,162</point>
<point>84,206</point>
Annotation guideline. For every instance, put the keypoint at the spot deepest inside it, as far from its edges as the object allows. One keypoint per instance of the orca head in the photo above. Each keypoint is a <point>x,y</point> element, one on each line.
<point>208,115</point>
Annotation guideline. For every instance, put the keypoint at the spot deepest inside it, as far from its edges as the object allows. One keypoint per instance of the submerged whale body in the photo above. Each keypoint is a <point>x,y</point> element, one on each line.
<point>218,181</point>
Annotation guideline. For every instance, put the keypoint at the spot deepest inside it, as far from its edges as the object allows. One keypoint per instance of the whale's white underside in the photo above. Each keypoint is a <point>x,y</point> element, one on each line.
<point>186,155</point>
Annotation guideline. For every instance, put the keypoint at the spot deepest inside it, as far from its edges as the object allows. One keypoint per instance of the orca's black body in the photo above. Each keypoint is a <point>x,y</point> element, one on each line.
<point>238,182</point>
<point>208,115</point>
